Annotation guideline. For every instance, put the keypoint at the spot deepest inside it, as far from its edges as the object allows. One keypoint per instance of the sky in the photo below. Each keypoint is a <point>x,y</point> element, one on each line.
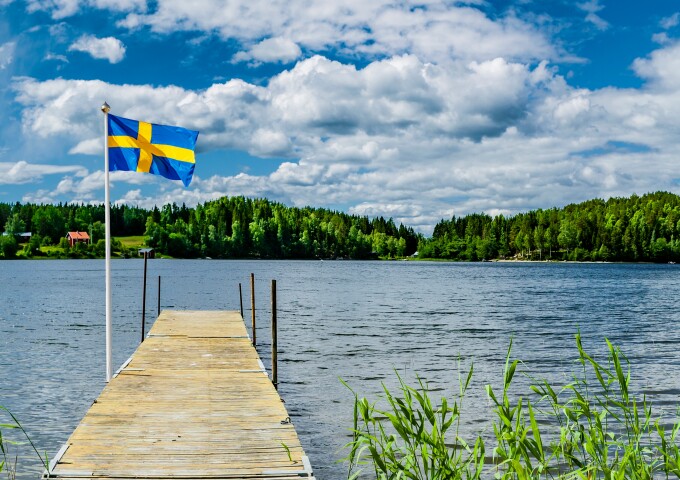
<point>412,110</point>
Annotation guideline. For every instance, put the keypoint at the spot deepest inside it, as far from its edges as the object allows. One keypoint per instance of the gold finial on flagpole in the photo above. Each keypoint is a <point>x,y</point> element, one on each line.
<point>105,107</point>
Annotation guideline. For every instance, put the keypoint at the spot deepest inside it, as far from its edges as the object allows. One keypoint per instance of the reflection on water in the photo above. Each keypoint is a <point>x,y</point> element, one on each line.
<point>357,320</point>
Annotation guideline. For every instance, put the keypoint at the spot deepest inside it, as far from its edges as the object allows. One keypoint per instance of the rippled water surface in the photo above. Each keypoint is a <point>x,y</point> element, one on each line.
<point>357,320</point>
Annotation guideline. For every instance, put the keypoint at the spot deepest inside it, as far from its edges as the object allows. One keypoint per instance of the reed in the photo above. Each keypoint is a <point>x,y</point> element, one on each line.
<point>595,426</point>
<point>8,465</point>
<point>418,447</point>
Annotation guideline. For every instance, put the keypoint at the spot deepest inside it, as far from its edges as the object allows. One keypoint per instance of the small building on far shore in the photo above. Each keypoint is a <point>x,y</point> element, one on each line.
<point>150,252</point>
<point>77,237</point>
<point>23,237</point>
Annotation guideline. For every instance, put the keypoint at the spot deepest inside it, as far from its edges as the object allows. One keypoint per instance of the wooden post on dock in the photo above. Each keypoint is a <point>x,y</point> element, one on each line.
<point>275,353</point>
<point>159,297</point>
<point>146,256</point>
<point>252,305</point>
<point>240,297</point>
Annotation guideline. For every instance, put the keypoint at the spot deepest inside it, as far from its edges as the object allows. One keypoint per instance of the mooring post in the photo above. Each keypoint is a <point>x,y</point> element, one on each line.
<point>252,305</point>
<point>275,353</point>
<point>144,296</point>
<point>159,296</point>
<point>240,297</point>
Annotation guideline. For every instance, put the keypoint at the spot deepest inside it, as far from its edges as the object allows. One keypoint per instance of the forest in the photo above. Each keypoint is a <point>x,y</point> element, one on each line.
<point>230,227</point>
<point>635,229</point>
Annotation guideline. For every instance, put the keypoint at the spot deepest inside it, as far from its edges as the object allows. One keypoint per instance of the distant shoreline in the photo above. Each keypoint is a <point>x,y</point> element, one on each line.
<point>408,259</point>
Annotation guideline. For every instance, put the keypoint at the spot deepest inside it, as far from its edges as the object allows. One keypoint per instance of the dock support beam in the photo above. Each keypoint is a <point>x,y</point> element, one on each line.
<point>275,353</point>
<point>252,306</point>
<point>240,297</point>
<point>159,297</point>
<point>146,257</point>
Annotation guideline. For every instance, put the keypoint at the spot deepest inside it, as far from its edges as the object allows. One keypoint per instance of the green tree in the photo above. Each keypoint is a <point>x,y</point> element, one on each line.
<point>660,251</point>
<point>99,248</point>
<point>257,235</point>
<point>64,244</point>
<point>98,232</point>
<point>5,213</point>
<point>8,246</point>
<point>14,225</point>
<point>567,237</point>
<point>83,218</point>
<point>48,221</point>
<point>550,239</point>
<point>32,248</point>
<point>400,247</point>
<point>519,242</point>
<point>539,239</point>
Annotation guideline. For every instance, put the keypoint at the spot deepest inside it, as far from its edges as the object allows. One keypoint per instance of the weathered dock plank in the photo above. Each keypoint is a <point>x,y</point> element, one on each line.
<point>193,402</point>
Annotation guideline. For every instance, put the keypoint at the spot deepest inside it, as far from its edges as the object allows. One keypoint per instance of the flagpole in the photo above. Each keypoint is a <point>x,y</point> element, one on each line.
<point>107,221</point>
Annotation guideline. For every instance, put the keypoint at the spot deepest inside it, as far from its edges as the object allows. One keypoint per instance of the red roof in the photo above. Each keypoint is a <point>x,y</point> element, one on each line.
<point>79,235</point>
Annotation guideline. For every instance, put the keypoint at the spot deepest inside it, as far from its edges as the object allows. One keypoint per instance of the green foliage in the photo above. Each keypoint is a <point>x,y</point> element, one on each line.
<point>64,244</point>
<point>8,246</point>
<point>593,427</point>
<point>48,222</point>
<point>239,227</point>
<point>14,225</point>
<point>235,227</point>
<point>32,248</point>
<point>98,231</point>
<point>636,229</point>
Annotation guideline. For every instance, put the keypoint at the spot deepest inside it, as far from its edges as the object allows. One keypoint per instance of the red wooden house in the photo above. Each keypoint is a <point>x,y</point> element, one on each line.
<point>77,237</point>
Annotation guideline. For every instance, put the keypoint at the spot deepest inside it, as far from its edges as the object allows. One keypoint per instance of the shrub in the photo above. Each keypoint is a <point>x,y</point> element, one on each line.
<point>8,246</point>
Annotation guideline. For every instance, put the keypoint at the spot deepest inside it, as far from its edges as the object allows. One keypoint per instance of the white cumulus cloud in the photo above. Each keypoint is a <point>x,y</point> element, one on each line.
<point>661,67</point>
<point>65,8</point>
<point>15,173</point>
<point>56,57</point>
<point>435,31</point>
<point>7,54</point>
<point>670,21</point>
<point>271,50</point>
<point>399,137</point>
<point>108,48</point>
<point>591,8</point>
<point>92,146</point>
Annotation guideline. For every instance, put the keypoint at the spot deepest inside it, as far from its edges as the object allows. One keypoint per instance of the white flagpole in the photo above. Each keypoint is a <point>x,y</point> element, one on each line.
<point>107,221</point>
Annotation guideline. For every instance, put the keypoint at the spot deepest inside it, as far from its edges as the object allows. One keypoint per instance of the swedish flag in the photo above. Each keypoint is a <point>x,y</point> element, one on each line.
<point>146,147</point>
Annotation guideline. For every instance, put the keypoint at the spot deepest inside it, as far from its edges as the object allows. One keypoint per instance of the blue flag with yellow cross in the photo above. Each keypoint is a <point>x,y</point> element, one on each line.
<point>146,147</point>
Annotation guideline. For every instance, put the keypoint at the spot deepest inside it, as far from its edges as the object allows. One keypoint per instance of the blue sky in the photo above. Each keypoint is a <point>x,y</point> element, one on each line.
<point>413,110</point>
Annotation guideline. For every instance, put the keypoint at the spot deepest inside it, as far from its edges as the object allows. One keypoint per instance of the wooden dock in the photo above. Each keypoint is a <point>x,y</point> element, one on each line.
<point>193,402</point>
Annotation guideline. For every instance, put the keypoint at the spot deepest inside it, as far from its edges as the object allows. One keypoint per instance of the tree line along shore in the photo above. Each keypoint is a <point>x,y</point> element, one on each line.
<point>634,229</point>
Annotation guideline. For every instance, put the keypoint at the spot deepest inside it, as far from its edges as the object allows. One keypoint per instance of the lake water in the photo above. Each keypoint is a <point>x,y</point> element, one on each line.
<point>357,320</point>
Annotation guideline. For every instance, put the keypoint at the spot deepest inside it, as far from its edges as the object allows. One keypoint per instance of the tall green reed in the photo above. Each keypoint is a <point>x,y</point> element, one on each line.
<point>604,429</point>
<point>8,465</point>
<point>595,426</point>
<point>417,446</point>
